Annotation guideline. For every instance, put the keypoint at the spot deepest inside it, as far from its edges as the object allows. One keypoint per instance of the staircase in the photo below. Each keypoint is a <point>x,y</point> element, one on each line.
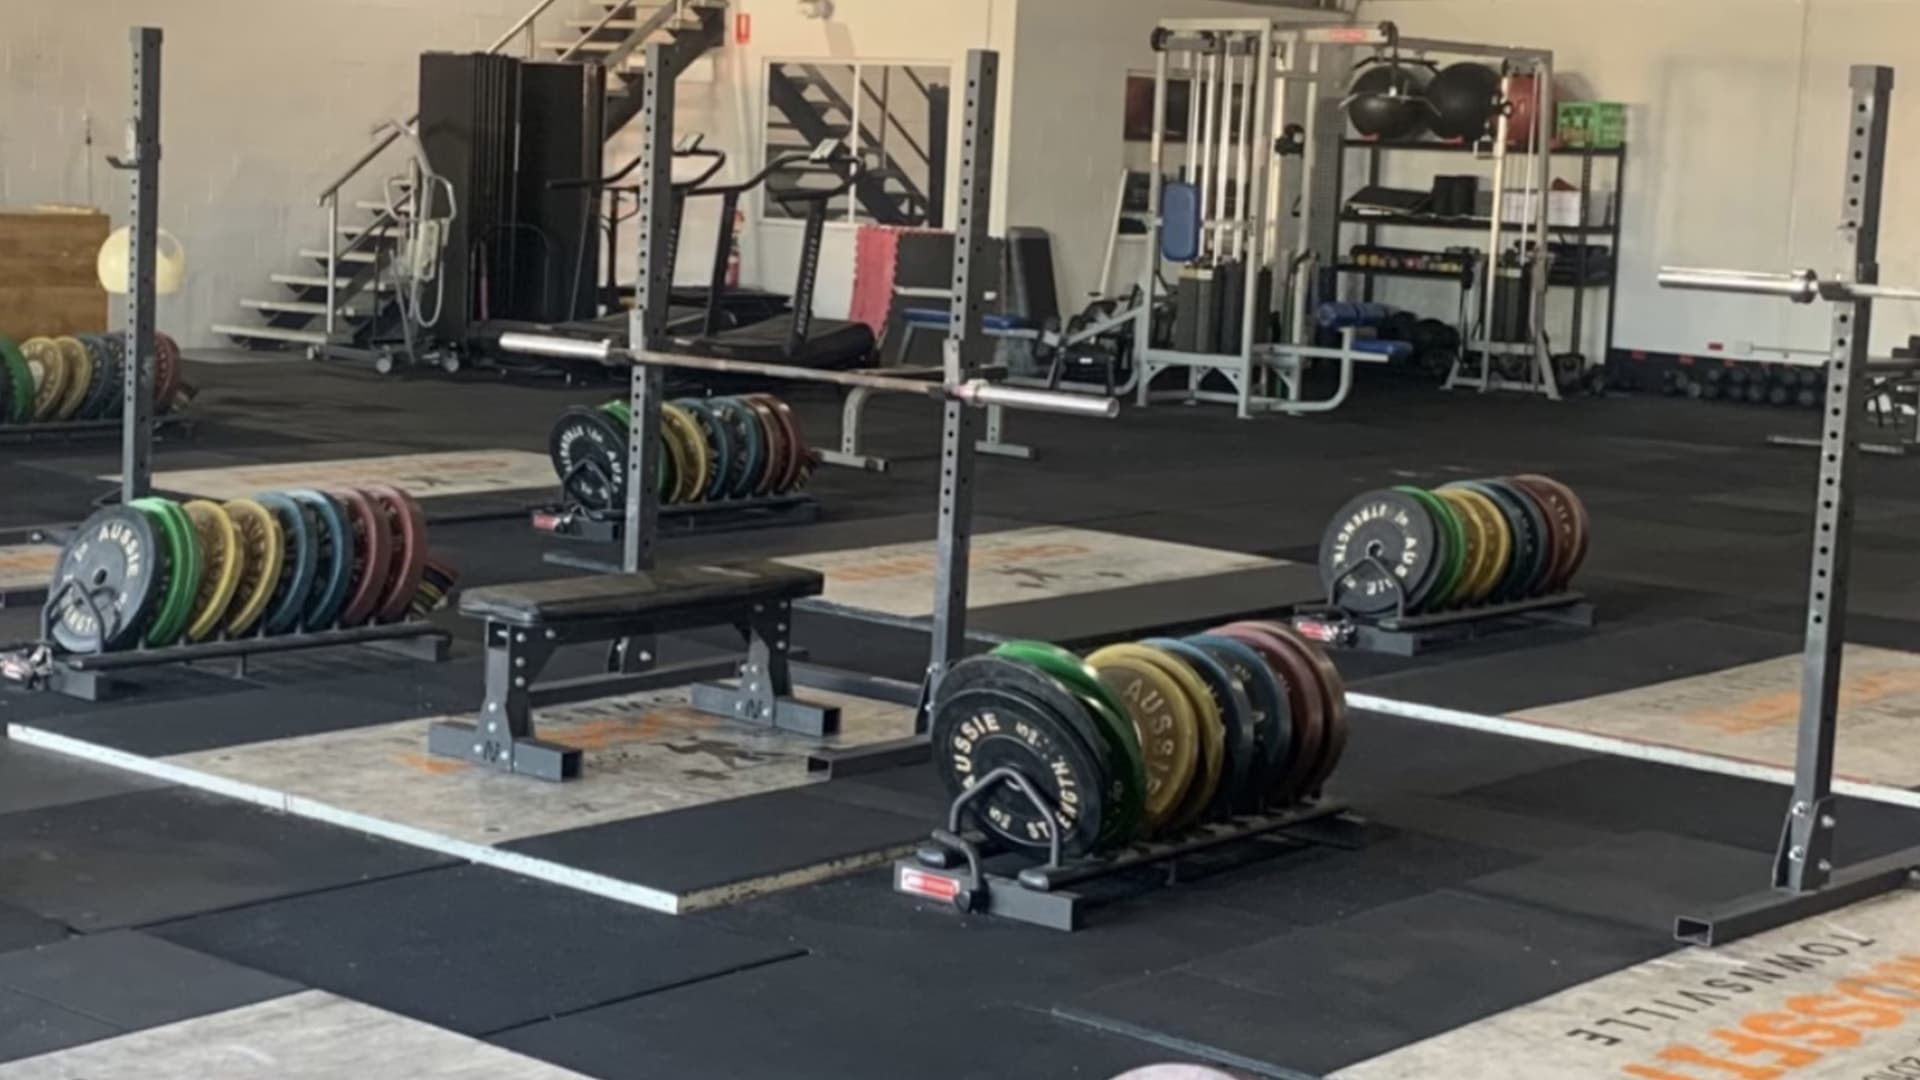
<point>902,178</point>
<point>336,297</point>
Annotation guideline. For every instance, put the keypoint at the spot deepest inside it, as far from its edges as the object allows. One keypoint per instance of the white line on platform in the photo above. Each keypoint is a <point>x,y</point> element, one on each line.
<point>1536,731</point>
<point>553,873</point>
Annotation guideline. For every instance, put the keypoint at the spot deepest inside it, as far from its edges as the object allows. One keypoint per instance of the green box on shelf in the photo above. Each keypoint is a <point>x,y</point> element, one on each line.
<point>1600,124</point>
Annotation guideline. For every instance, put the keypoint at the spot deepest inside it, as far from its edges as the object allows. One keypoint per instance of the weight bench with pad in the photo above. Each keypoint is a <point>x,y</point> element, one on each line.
<point>526,623</point>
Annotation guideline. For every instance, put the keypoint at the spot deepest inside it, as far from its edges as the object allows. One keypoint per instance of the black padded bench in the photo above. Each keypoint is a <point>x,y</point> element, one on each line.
<point>525,623</point>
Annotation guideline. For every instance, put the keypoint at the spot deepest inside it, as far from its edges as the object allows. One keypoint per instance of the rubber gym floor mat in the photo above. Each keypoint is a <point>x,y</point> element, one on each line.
<point>179,685</point>
<point>1324,996</point>
<point>426,475</point>
<point>29,1027</point>
<point>129,860</point>
<point>1697,1012</point>
<point>249,715</point>
<point>40,495</point>
<point>31,778</point>
<point>718,852</point>
<point>471,949</point>
<point>1586,665</point>
<point>132,980</point>
<point>306,1036</point>
<point>869,1023</point>
<point>1134,611</point>
<point>22,929</point>
<point>1399,756</point>
<point>1621,795</point>
<point>1642,879</point>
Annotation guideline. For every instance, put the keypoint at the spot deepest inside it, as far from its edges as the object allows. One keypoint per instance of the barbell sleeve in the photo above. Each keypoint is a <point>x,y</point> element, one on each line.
<point>1800,286</point>
<point>564,348</point>
<point>1027,399</point>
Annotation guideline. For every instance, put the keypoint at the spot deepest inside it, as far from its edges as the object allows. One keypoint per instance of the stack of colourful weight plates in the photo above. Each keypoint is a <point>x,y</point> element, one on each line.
<point>1466,545</point>
<point>713,450</point>
<point>47,380</point>
<point>1138,741</point>
<point>159,572</point>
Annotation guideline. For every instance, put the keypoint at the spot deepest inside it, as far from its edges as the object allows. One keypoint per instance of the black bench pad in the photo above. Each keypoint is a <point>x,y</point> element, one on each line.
<point>662,593</point>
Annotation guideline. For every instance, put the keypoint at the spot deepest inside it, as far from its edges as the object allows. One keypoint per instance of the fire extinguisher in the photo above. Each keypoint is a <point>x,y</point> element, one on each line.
<point>733,254</point>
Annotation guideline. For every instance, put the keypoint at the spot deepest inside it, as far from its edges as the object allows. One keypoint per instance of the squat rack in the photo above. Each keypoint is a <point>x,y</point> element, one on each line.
<point>1805,882</point>
<point>962,390</point>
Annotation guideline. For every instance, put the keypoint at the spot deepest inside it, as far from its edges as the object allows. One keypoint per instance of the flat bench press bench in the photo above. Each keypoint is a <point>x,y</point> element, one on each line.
<point>526,623</point>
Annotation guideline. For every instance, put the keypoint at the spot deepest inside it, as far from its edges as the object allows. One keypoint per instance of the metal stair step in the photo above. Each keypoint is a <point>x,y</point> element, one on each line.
<point>320,255</point>
<point>388,229</point>
<point>271,333</point>
<point>300,307</point>
<point>319,281</point>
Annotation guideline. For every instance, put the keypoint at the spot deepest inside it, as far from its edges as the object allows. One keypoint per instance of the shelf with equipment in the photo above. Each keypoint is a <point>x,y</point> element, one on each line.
<point>1591,242</point>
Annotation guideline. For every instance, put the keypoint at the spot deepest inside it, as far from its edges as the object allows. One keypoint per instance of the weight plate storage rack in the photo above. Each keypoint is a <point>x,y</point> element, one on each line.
<point>1201,752</point>
<point>1407,569</point>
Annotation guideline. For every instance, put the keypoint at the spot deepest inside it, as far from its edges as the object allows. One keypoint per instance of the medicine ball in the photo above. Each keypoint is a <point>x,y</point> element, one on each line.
<point>1464,97</point>
<point>1386,102</point>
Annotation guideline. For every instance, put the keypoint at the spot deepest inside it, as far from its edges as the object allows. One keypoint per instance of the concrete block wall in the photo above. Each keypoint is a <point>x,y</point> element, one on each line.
<point>264,102</point>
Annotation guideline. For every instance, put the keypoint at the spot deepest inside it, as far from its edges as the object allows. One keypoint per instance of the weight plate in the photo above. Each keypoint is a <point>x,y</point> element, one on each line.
<point>263,549</point>
<point>1523,540</point>
<point>334,558</point>
<point>436,585</point>
<point>1476,579</point>
<point>222,562</point>
<point>48,366</point>
<point>1451,544</point>
<point>1005,674</point>
<point>1272,715</point>
<point>750,439</point>
<point>720,451</point>
<point>101,386</point>
<point>589,453</point>
<point>1236,793</point>
<point>1164,721</point>
<point>79,376</point>
<point>115,564</point>
<point>775,465</point>
<point>1571,524</point>
<point>1499,536</point>
<point>116,345</point>
<point>298,565</point>
<point>1473,551</point>
<point>166,372</point>
<point>1108,713</point>
<point>1553,537</point>
<point>682,431</point>
<point>797,463</point>
<point>1306,704</point>
<point>1533,552</point>
<point>20,388</point>
<point>1213,750</point>
<point>977,731</point>
<point>407,521</point>
<point>373,551</point>
<point>1378,534</point>
<point>1333,701</point>
<point>182,545</point>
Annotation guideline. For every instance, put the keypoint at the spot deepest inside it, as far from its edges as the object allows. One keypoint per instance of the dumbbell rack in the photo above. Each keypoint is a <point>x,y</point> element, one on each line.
<point>91,676</point>
<point>1404,634</point>
<point>953,866</point>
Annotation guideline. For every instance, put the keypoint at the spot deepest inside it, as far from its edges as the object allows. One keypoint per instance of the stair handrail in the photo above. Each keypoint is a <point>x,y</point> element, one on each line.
<point>663,15</point>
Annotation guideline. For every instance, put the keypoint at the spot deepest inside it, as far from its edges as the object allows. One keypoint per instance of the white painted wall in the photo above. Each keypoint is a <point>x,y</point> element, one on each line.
<point>264,102</point>
<point>732,110</point>
<point>1736,138</point>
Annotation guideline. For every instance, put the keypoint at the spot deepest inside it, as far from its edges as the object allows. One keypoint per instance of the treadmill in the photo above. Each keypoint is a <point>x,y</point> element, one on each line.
<point>798,337</point>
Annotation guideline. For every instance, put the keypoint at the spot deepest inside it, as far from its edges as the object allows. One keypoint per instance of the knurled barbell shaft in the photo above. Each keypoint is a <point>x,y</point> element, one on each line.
<point>1800,286</point>
<point>977,392</point>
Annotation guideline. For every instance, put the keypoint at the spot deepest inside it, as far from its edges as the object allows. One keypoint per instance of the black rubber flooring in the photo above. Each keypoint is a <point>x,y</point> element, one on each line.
<point>1495,871</point>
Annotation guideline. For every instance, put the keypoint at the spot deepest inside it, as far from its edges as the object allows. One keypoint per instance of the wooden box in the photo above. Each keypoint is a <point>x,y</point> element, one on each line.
<point>48,285</point>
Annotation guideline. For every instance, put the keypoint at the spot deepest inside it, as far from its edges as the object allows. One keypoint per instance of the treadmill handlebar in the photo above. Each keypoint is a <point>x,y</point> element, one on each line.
<point>718,159</point>
<point>777,165</point>
<point>976,392</point>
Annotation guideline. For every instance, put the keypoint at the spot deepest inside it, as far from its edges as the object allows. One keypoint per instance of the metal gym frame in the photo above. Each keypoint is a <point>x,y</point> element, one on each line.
<point>1805,881</point>
<point>961,390</point>
<point>1245,212</point>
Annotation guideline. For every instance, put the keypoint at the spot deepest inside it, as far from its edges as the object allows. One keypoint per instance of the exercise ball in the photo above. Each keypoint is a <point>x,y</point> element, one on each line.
<point>1386,102</point>
<point>169,264</point>
<point>1464,97</point>
<point>1523,95</point>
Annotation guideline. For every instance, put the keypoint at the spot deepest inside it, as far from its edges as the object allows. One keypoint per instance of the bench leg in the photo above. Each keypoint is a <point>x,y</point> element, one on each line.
<point>995,442</point>
<point>765,691</point>
<point>852,415</point>
<point>503,738</point>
